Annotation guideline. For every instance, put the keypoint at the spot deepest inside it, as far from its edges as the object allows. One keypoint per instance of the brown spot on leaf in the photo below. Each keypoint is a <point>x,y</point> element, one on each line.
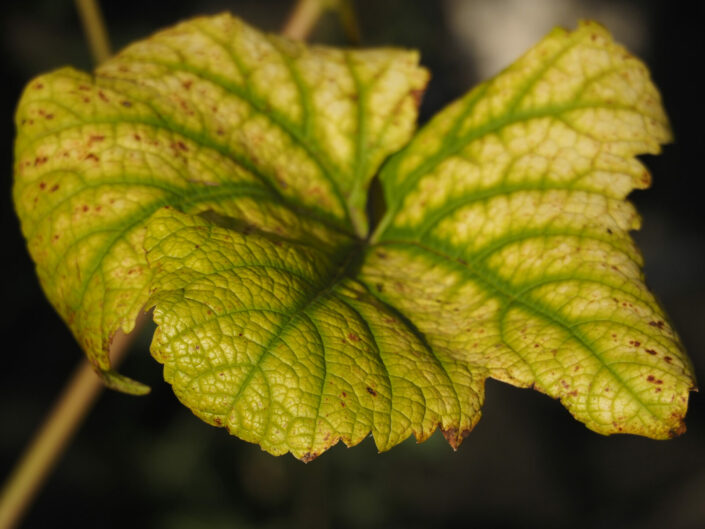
<point>102,95</point>
<point>451,435</point>
<point>678,430</point>
<point>40,160</point>
<point>55,187</point>
<point>651,352</point>
<point>185,107</point>
<point>371,391</point>
<point>308,457</point>
<point>187,84</point>
<point>42,185</point>
<point>92,156</point>
<point>668,359</point>
<point>343,394</point>
<point>353,337</point>
<point>650,378</point>
<point>635,343</point>
<point>657,324</point>
<point>137,137</point>
<point>94,138</point>
<point>454,437</point>
<point>417,95</point>
<point>218,421</point>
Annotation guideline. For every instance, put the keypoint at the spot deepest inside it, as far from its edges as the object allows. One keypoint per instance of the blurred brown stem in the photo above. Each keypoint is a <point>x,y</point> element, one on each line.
<point>61,423</point>
<point>94,29</point>
<point>305,15</point>
<point>302,18</point>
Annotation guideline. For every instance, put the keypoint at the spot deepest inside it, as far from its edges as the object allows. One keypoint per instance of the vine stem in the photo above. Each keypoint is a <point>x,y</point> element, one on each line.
<point>82,390</point>
<point>306,13</point>
<point>51,439</point>
<point>94,29</point>
<point>303,18</point>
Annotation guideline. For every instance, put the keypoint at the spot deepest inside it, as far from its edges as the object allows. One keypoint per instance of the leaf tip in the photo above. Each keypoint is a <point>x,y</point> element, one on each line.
<point>678,430</point>
<point>123,384</point>
<point>454,436</point>
<point>308,457</point>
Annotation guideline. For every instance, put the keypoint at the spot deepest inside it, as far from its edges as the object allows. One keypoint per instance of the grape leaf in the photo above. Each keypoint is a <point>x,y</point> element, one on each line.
<point>274,339</point>
<point>208,115</point>
<point>220,176</point>
<point>506,241</point>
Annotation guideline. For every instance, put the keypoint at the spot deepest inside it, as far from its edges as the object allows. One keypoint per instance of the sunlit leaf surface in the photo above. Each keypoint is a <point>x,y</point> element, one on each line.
<point>220,175</point>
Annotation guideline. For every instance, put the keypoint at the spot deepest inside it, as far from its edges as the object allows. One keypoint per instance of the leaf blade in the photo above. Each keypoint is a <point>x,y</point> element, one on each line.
<point>208,115</point>
<point>510,206</point>
<point>296,358</point>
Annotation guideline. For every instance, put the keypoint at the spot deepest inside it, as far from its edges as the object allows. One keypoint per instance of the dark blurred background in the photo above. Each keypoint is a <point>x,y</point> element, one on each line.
<point>148,462</point>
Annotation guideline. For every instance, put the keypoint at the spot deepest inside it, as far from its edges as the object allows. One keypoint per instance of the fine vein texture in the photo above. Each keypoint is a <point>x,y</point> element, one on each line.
<point>274,341</point>
<point>208,115</point>
<point>220,176</point>
<point>506,241</point>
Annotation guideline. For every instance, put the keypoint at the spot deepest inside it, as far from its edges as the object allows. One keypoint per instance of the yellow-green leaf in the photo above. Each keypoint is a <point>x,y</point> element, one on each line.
<point>273,340</point>
<point>208,115</point>
<point>220,176</point>
<point>506,241</point>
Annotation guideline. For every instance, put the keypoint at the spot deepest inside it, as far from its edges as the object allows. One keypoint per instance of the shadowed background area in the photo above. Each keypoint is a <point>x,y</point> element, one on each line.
<point>148,462</point>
